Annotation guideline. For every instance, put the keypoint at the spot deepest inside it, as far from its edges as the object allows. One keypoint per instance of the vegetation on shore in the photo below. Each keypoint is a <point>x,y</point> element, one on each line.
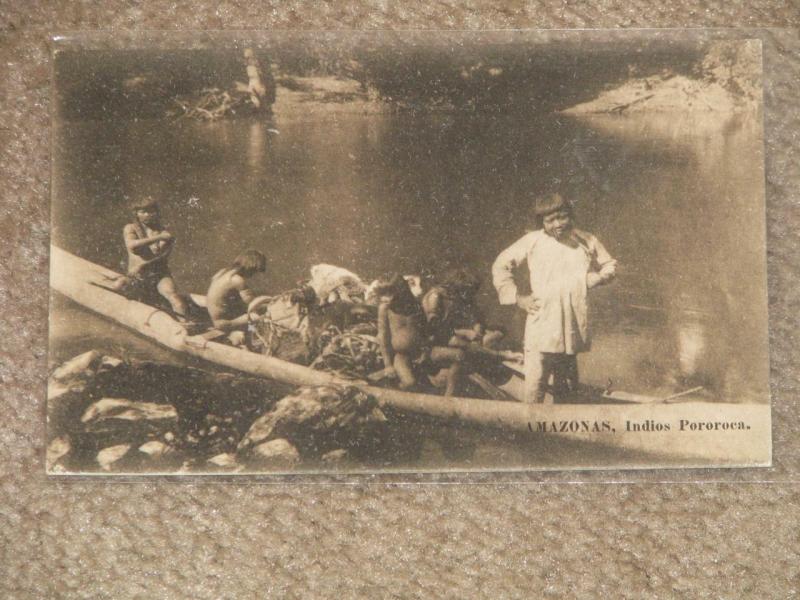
<point>725,81</point>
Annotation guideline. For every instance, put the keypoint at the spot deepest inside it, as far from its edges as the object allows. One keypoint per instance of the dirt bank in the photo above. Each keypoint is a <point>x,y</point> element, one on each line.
<point>725,82</point>
<point>297,96</point>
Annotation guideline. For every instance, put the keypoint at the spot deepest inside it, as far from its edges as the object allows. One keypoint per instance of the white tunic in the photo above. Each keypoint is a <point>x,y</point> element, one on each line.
<point>558,273</point>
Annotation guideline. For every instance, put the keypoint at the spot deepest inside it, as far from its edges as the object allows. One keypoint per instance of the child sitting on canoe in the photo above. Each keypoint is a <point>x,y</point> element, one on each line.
<point>229,295</point>
<point>149,245</point>
<point>563,262</point>
<point>451,311</point>
<point>455,320</point>
<point>405,340</point>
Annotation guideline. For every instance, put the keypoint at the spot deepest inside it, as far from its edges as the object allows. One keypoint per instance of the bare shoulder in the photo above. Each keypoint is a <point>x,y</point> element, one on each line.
<point>238,281</point>
<point>431,299</point>
<point>130,234</point>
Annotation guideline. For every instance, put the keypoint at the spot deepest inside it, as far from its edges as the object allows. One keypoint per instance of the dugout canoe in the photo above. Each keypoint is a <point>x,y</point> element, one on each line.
<point>724,434</point>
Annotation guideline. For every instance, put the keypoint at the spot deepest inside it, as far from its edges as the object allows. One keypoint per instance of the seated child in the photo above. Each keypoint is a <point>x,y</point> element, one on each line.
<point>458,329</point>
<point>414,283</point>
<point>404,338</point>
<point>450,309</point>
<point>228,295</point>
<point>149,245</point>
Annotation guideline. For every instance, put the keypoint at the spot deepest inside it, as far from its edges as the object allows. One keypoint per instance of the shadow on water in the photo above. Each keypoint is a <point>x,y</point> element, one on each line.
<point>701,236</point>
<point>407,191</point>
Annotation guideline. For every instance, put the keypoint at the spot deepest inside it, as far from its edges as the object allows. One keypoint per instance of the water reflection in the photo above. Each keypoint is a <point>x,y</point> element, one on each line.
<point>256,149</point>
<point>705,256</point>
<point>669,199</point>
<point>692,347</point>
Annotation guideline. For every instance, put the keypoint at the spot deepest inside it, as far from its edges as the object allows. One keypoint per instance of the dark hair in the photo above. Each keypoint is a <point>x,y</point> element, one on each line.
<point>547,205</point>
<point>249,263</point>
<point>391,282</point>
<point>304,295</point>
<point>143,204</point>
<point>461,281</point>
<point>396,286</point>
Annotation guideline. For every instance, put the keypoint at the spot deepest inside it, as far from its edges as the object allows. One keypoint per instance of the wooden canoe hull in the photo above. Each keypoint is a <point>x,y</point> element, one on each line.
<point>606,424</point>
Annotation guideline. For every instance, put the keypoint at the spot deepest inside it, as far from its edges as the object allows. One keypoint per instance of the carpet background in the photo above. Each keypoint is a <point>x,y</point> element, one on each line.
<point>735,535</point>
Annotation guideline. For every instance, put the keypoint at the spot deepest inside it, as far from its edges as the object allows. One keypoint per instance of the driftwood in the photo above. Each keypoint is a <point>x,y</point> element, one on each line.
<point>210,104</point>
<point>621,108</point>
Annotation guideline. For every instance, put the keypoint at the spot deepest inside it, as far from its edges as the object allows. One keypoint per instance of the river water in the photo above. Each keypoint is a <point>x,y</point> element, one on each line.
<point>678,202</point>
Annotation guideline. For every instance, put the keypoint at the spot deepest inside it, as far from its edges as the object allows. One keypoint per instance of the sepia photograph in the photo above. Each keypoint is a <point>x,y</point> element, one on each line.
<point>375,252</point>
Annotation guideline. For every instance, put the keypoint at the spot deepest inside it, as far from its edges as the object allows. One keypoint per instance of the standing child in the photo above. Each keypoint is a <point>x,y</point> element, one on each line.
<point>149,245</point>
<point>563,262</point>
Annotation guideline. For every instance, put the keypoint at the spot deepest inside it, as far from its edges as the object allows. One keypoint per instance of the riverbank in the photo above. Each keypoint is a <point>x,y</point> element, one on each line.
<point>723,84</point>
<point>110,415</point>
<point>321,95</point>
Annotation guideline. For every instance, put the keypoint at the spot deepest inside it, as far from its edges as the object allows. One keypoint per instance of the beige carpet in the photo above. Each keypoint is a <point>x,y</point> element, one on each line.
<point>526,536</point>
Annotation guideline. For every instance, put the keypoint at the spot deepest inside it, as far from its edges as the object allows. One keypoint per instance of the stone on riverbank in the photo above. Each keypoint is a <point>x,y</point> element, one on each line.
<point>142,416</point>
<point>274,454</point>
<point>317,419</point>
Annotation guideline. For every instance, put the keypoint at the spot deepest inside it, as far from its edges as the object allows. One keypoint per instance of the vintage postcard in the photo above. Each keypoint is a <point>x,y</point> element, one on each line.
<point>407,252</point>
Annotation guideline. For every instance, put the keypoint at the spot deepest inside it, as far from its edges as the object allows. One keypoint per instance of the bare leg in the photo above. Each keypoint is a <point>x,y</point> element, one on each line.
<point>453,359</point>
<point>402,366</point>
<point>166,287</point>
<point>492,338</point>
<point>538,368</point>
<point>236,338</point>
<point>119,283</point>
<point>454,376</point>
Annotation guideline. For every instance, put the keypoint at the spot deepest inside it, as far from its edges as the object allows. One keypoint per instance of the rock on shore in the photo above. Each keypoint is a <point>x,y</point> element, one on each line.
<point>109,415</point>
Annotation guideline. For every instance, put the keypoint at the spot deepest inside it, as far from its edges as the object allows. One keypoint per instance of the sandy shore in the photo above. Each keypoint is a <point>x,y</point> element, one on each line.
<point>324,95</point>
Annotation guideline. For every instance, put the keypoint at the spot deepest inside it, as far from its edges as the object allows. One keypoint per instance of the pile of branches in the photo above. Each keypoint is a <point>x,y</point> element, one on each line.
<point>210,104</point>
<point>348,354</point>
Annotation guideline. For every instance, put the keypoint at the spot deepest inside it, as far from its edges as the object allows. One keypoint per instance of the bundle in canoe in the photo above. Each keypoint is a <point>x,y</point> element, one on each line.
<point>80,281</point>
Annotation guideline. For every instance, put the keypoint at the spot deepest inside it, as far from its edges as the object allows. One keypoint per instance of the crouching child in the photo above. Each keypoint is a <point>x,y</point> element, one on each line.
<point>405,341</point>
<point>229,294</point>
